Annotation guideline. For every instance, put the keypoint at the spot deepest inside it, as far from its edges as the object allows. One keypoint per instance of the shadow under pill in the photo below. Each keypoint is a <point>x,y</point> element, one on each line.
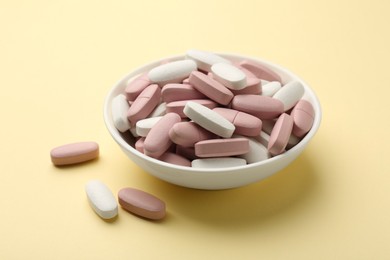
<point>247,206</point>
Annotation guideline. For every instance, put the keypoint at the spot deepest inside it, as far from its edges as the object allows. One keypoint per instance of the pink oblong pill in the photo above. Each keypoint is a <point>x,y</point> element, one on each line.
<point>175,92</point>
<point>211,88</point>
<point>188,133</point>
<point>141,203</point>
<point>303,116</point>
<point>175,159</point>
<point>253,87</point>
<point>280,134</point>
<point>245,124</point>
<point>157,141</point>
<point>144,104</point>
<point>139,144</point>
<point>136,86</point>
<point>262,107</point>
<point>222,147</point>
<point>74,153</point>
<point>178,106</point>
<point>260,71</point>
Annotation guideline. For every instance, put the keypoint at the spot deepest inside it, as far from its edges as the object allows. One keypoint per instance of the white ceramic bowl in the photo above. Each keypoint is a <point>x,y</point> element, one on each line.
<point>210,179</point>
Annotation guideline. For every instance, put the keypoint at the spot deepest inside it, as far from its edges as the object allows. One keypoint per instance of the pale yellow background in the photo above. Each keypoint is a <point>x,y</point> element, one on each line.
<point>59,59</point>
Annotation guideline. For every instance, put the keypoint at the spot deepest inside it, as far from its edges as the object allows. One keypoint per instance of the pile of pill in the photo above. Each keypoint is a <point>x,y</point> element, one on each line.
<point>206,111</point>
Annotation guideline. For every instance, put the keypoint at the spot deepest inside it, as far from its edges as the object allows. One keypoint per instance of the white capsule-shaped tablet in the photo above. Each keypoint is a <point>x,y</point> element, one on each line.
<point>173,72</point>
<point>209,119</point>
<point>230,76</point>
<point>119,108</point>
<point>143,126</point>
<point>101,199</point>
<point>222,162</point>
<point>290,94</point>
<point>263,138</point>
<point>270,88</point>
<point>204,60</point>
<point>257,151</point>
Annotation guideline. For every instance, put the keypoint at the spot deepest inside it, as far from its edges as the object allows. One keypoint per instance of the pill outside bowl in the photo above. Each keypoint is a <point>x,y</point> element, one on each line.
<point>210,179</point>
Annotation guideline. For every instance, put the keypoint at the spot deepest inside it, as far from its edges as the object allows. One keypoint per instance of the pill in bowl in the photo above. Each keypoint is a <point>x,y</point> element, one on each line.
<point>212,120</point>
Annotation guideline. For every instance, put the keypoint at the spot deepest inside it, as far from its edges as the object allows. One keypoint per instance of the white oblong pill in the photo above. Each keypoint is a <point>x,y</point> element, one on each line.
<point>143,126</point>
<point>160,110</point>
<point>204,60</point>
<point>173,72</point>
<point>230,76</point>
<point>101,199</point>
<point>290,94</point>
<point>209,119</point>
<point>222,162</point>
<point>257,151</point>
<point>270,88</point>
<point>119,108</point>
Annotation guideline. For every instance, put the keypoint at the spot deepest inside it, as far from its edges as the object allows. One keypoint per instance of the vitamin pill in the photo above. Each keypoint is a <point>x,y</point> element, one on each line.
<point>209,119</point>
<point>257,151</point>
<point>247,72</point>
<point>270,88</point>
<point>188,133</point>
<point>187,152</point>
<point>253,87</point>
<point>175,159</point>
<point>263,138</point>
<point>211,88</point>
<point>221,147</point>
<point>101,199</point>
<point>74,153</point>
<point>173,72</point>
<point>221,162</point>
<point>177,92</point>
<point>229,75</point>
<point>158,141</point>
<point>178,106</point>
<point>141,203</point>
<point>160,110</point>
<point>260,71</point>
<point>260,106</point>
<point>134,87</point>
<point>144,104</point>
<point>303,116</point>
<point>245,124</point>
<point>280,134</point>
<point>290,94</point>
<point>204,60</point>
<point>139,144</point>
<point>143,126</point>
<point>119,108</point>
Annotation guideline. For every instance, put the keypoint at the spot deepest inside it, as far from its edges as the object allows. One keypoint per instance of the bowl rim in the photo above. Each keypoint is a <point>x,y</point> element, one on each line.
<point>141,69</point>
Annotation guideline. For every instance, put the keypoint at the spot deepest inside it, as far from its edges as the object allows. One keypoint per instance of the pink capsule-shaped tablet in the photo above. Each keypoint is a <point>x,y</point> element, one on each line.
<point>178,106</point>
<point>136,86</point>
<point>260,106</point>
<point>260,71</point>
<point>74,153</point>
<point>280,134</point>
<point>188,133</point>
<point>176,92</point>
<point>303,116</point>
<point>211,88</point>
<point>158,141</point>
<point>141,203</point>
<point>222,147</point>
<point>175,159</point>
<point>245,124</point>
<point>139,144</point>
<point>253,87</point>
<point>144,104</point>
